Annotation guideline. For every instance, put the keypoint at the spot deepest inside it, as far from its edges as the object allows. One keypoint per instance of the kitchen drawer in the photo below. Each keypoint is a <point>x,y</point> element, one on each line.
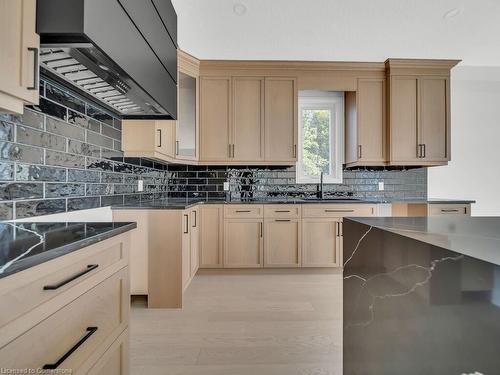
<point>448,209</point>
<point>243,211</point>
<point>26,290</point>
<point>287,211</point>
<point>74,332</point>
<point>338,210</point>
<point>115,361</point>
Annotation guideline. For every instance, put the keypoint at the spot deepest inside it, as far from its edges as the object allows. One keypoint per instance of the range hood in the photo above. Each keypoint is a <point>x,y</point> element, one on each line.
<point>120,53</point>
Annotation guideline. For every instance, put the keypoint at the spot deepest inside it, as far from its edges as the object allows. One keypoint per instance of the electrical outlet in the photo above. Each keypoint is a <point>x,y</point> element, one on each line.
<point>381,186</point>
<point>140,185</point>
<point>226,186</point>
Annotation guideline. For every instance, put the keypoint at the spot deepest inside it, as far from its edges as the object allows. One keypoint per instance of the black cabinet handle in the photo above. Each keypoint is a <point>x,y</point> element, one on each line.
<point>261,229</point>
<point>177,147</point>
<point>187,224</point>
<point>194,221</point>
<point>281,210</point>
<point>282,220</point>
<point>339,210</point>
<point>239,211</point>
<point>425,151</point>
<point>35,68</point>
<point>89,268</point>
<point>52,366</point>
<point>360,151</point>
<point>449,210</point>
<point>159,130</point>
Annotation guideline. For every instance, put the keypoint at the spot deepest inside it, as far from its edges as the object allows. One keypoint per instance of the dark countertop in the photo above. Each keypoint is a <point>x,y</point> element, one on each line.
<point>24,245</point>
<point>476,237</point>
<point>181,204</point>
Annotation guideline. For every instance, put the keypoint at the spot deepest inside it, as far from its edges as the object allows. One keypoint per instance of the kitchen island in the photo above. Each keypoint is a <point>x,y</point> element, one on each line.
<point>421,295</point>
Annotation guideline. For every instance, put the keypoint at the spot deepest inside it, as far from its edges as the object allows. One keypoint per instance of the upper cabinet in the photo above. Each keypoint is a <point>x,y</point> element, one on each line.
<point>419,130</point>
<point>149,138</point>
<point>366,123</point>
<point>19,58</point>
<point>187,133</point>
<point>248,119</point>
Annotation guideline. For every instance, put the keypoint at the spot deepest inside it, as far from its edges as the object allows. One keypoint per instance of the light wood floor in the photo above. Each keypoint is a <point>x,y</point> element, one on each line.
<point>240,323</point>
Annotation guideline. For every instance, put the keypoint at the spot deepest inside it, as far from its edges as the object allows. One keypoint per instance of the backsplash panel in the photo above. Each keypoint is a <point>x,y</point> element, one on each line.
<point>278,183</point>
<point>65,155</point>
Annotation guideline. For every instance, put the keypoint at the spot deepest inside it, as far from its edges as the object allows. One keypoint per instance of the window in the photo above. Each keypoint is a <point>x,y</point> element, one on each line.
<point>321,139</point>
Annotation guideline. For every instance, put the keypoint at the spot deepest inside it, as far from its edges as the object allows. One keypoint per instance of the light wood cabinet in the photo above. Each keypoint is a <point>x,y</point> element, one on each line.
<point>419,111</point>
<point>281,106</point>
<point>215,118</point>
<point>247,130</point>
<point>20,45</point>
<point>282,242</point>
<point>94,307</point>
<point>115,360</point>
<point>149,138</point>
<point>448,209</point>
<point>365,134</point>
<point>243,243</point>
<point>194,240</point>
<point>321,242</point>
<point>211,236</point>
<point>190,245</point>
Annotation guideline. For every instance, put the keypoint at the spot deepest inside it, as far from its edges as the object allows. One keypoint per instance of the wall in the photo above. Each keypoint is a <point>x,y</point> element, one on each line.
<point>65,155</point>
<point>279,183</point>
<point>473,172</point>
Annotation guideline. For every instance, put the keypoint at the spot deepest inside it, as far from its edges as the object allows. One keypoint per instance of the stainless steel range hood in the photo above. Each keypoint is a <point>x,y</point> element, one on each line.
<point>121,53</point>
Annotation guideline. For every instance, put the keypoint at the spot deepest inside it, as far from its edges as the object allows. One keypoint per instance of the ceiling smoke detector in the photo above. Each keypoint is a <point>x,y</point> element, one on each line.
<point>453,13</point>
<point>239,9</point>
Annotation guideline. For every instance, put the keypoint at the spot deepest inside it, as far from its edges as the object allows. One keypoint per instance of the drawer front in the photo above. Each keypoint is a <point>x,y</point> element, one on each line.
<point>338,210</point>
<point>244,211</point>
<point>115,361</point>
<point>288,211</point>
<point>448,209</point>
<point>68,338</point>
<point>24,291</point>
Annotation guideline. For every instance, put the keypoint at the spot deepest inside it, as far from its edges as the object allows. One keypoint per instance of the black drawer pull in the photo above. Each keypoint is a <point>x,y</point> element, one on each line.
<point>449,210</point>
<point>239,211</point>
<point>339,210</point>
<point>282,211</point>
<point>52,366</point>
<point>283,220</point>
<point>89,268</point>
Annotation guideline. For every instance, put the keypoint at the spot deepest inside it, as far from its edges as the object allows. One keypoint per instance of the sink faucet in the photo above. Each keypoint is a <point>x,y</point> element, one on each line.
<point>319,192</point>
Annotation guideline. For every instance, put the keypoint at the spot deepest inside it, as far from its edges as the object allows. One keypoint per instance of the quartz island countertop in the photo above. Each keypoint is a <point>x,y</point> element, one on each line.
<point>27,244</point>
<point>477,237</point>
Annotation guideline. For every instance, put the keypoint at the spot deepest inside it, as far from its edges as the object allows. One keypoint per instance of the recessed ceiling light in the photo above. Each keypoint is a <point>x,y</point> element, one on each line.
<point>452,13</point>
<point>239,9</point>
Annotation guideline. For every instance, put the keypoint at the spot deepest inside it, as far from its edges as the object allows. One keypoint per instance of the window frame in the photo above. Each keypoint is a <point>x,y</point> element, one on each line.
<point>333,101</point>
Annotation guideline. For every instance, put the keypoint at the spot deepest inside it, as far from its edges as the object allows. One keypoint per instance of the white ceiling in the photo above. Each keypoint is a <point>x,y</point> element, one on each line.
<point>341,30</point>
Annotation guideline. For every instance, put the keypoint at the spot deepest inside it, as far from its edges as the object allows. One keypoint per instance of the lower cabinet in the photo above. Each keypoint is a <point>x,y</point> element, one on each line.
<point>321,242</point>
<point>211,235</point>
<point>190,245</point>
<point>243,243</point>
<point>116,359</point>
<point>282,243</point>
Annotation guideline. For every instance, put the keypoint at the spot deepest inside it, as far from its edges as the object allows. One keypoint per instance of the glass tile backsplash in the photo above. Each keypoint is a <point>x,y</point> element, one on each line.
<point>65,155</point>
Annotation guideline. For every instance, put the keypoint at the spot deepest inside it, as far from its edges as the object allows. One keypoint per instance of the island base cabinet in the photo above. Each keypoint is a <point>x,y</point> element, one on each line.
<point>243,243</point>
<point>115,361</point>
<point>83,325</point>
<point>282,243</point>
<point>321,242</point>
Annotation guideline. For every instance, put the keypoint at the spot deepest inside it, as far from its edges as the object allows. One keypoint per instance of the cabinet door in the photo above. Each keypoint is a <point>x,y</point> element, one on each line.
<point>165,137</point>
<point>282,243</point>
<point>211,236</point>
<point>281,119</point>
<point>116,359</point>
<point>248,119</point>
<point>243,243</point>
<point>19,57</point>
<point>434,118</point>
<point>403,122</point>
<point>188,117</point>
<point>321,243</point>
<point>186,250</point>
<point>194,240</point>
<point>215,107</point>
<point>371,120</point>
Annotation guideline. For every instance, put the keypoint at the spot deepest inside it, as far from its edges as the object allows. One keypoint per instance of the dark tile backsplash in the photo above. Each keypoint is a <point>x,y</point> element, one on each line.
<point>65,155</point>
<point>278,183</point>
